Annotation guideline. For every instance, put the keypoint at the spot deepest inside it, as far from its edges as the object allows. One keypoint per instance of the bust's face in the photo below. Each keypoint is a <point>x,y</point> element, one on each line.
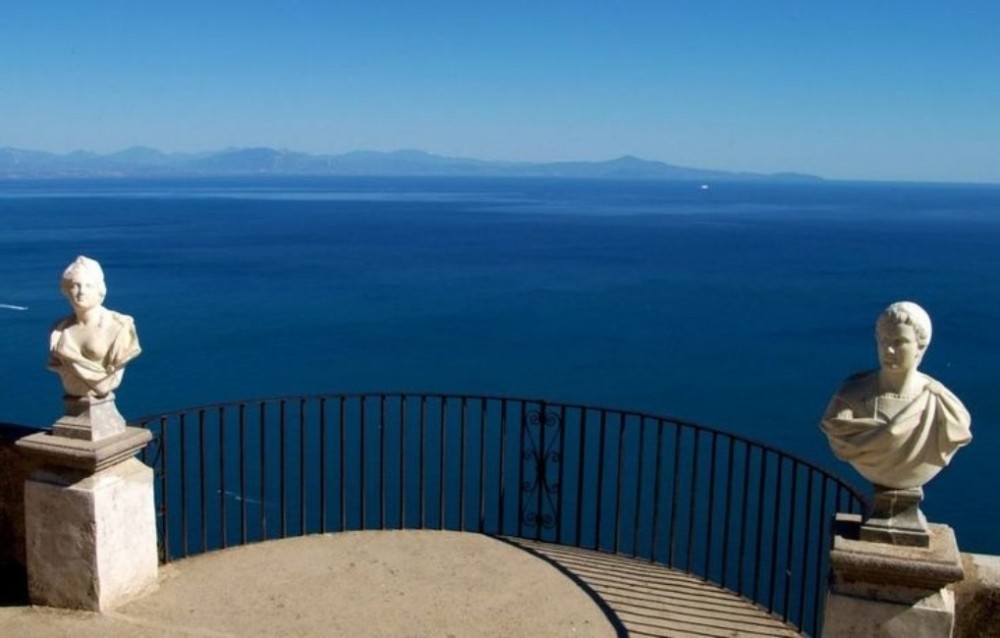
<point>83,291</point>
<point>898,347</point>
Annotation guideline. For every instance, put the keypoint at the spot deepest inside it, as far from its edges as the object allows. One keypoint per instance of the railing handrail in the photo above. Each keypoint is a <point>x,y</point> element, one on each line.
<point>757,443</point>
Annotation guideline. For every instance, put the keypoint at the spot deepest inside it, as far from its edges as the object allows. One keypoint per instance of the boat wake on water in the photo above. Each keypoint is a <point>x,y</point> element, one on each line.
<point>7,306</point>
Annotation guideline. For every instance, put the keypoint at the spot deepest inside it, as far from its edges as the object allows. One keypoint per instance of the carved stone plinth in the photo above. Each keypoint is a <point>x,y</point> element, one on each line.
<point>89,419</point>
<point>890,591</point>
<point>896,518</point>
<point>90,526</point>
<point>78,458</point>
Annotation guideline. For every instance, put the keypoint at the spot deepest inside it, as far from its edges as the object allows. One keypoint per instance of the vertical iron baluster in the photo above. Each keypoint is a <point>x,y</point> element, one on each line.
<point>672,540</point>
<point>600,477</point>
<point>202,483</point>
<point>774,535</point>
<point>520,471</point>
<point>637,504</point>
<point>364,454</point>
<point>789,556</point>
<point>243,474</point>
<point>322,465</point>
<point>657,477</point>
<point>581,457</point>
<point>710,525</point>
<point>821,550</point>
<point>743,516</point>
<point>727,512</point>
<point>760,522</point>
<point>281,469</point>
<point>482,464</point>
<point>423,453</point>
<point>620,480</point>
<point>381,461</point>
<point>441,467</point>
<point>692,503</point>
<point>461,465</point>
<point>222,479</point>
<point>805,544</point>
<point>402,461</point>
<point>184,482</point>
<point>302,467</point>
<point>342,418</point>
<point>164,458</point>
<point>263,471</point>
<point>562,472</point>
<point>503,474</point>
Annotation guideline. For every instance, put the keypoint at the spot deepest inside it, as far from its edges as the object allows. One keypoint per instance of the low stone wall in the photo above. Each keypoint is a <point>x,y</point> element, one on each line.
<point>14,469</point>
<point>977,598</point>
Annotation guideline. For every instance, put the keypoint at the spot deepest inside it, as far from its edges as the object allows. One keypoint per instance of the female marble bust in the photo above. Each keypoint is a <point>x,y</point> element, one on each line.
<point>90,348</point>
<point>897,426</point>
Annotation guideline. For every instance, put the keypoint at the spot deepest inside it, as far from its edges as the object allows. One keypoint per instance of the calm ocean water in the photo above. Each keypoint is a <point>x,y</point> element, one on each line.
<point>741,306</point>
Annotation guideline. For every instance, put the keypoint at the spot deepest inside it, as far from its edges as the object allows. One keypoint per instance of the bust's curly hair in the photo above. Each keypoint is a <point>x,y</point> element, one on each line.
<point>86,266</point>
<point>907,312</point>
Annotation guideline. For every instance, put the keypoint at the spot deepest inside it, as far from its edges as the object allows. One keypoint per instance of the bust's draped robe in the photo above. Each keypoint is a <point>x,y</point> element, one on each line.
<point>82,376</point>
<point>903,451</point>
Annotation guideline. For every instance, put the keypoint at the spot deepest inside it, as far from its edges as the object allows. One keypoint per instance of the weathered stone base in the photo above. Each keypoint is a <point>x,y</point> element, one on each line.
<point>90,542</point>
<point>89,419</point>
<point>896,518</point>
<point>977,598</point>
<point>890,591</point>
<point>850,617</point>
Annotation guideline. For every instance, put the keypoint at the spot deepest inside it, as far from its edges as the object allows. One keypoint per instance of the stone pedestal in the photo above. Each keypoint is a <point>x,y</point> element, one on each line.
<point>90,522</point>
<point>890,591</point>
<point>896,518</point>
<point>89,419</point>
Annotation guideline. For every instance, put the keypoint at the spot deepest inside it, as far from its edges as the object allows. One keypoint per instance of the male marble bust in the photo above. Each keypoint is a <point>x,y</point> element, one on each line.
<point>897,426</point>
<point>90,348</point>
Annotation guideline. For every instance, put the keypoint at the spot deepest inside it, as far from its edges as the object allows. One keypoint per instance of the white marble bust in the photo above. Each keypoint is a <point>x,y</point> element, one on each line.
<point>897,426</point>
<point>90,348</point>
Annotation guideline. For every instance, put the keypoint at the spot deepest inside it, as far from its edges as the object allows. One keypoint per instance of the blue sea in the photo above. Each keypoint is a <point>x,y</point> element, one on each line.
<point>740,306</point>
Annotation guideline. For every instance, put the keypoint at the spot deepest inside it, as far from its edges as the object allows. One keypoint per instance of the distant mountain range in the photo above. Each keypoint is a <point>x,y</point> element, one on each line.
<point>140,161</point>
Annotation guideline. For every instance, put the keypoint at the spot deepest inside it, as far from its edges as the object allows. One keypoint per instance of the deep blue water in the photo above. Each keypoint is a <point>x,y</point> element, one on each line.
<point>741,306</point>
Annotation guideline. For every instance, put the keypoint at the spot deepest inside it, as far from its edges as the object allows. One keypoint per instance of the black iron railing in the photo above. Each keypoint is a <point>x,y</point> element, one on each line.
<point>746,516</point>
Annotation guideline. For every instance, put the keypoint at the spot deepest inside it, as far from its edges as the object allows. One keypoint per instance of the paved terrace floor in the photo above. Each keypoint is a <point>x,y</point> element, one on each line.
<point>445,584</point>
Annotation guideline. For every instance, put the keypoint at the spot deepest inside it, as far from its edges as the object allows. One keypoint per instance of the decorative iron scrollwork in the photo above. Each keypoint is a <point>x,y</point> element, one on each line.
<point>541,435</point>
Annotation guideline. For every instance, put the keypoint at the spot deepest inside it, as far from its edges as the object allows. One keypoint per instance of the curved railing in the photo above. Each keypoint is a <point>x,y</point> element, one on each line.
<point>738,513</point>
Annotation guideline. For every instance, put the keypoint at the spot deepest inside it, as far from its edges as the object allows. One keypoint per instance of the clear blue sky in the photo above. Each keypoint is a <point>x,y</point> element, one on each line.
<point>848,89</point>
